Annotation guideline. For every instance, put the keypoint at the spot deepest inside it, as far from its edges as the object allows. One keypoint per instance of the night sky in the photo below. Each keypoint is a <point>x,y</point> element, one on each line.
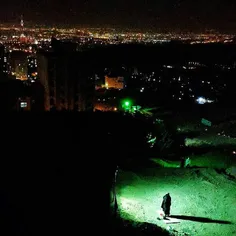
<point>153,14</point>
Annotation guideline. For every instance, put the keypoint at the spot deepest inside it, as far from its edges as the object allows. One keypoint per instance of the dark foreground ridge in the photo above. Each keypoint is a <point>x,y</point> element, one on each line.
<point>56,173</point>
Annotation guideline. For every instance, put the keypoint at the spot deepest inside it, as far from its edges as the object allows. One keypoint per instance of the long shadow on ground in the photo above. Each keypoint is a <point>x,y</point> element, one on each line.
<point>200,219</point>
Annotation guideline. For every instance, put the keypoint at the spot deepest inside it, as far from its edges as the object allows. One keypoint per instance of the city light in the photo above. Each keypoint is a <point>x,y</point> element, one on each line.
<point>202,100</point>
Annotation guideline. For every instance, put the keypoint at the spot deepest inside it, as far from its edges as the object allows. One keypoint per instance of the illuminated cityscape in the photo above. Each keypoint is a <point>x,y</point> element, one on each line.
<point>120,110</point>
<point>13,36</point>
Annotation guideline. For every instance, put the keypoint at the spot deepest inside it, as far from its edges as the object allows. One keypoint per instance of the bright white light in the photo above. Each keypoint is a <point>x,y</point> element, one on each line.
<point>201,100</point>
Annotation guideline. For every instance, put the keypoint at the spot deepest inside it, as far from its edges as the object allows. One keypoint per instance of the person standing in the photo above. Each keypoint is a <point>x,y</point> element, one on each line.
<point>187,163</point>
<point>182,162</point>
<point>166,203</point>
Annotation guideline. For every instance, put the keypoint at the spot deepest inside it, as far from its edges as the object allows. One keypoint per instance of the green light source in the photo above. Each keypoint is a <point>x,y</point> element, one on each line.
<point>127,104</point>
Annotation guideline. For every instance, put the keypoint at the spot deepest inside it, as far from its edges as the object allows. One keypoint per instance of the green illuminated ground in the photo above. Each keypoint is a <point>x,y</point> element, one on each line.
<point>195,193</point>
<point>211,159</point>
<point>210,140</point>
<point>215,136</point>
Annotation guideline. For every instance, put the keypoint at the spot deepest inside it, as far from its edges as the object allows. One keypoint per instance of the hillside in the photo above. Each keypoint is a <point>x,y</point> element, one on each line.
<point>202,198</point>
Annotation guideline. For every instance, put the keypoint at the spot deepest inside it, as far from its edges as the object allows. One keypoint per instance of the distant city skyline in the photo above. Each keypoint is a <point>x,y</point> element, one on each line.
<point>163,14</point>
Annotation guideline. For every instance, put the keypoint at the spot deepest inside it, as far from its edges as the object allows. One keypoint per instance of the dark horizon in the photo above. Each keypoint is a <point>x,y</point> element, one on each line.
<point>168,15</point>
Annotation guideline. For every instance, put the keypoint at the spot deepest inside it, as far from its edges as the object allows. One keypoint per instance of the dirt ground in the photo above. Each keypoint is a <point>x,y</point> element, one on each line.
<point>202,199</point>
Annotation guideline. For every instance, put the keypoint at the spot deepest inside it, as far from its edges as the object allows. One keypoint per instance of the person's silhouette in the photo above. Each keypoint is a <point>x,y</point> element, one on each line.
<point>166,203</point>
